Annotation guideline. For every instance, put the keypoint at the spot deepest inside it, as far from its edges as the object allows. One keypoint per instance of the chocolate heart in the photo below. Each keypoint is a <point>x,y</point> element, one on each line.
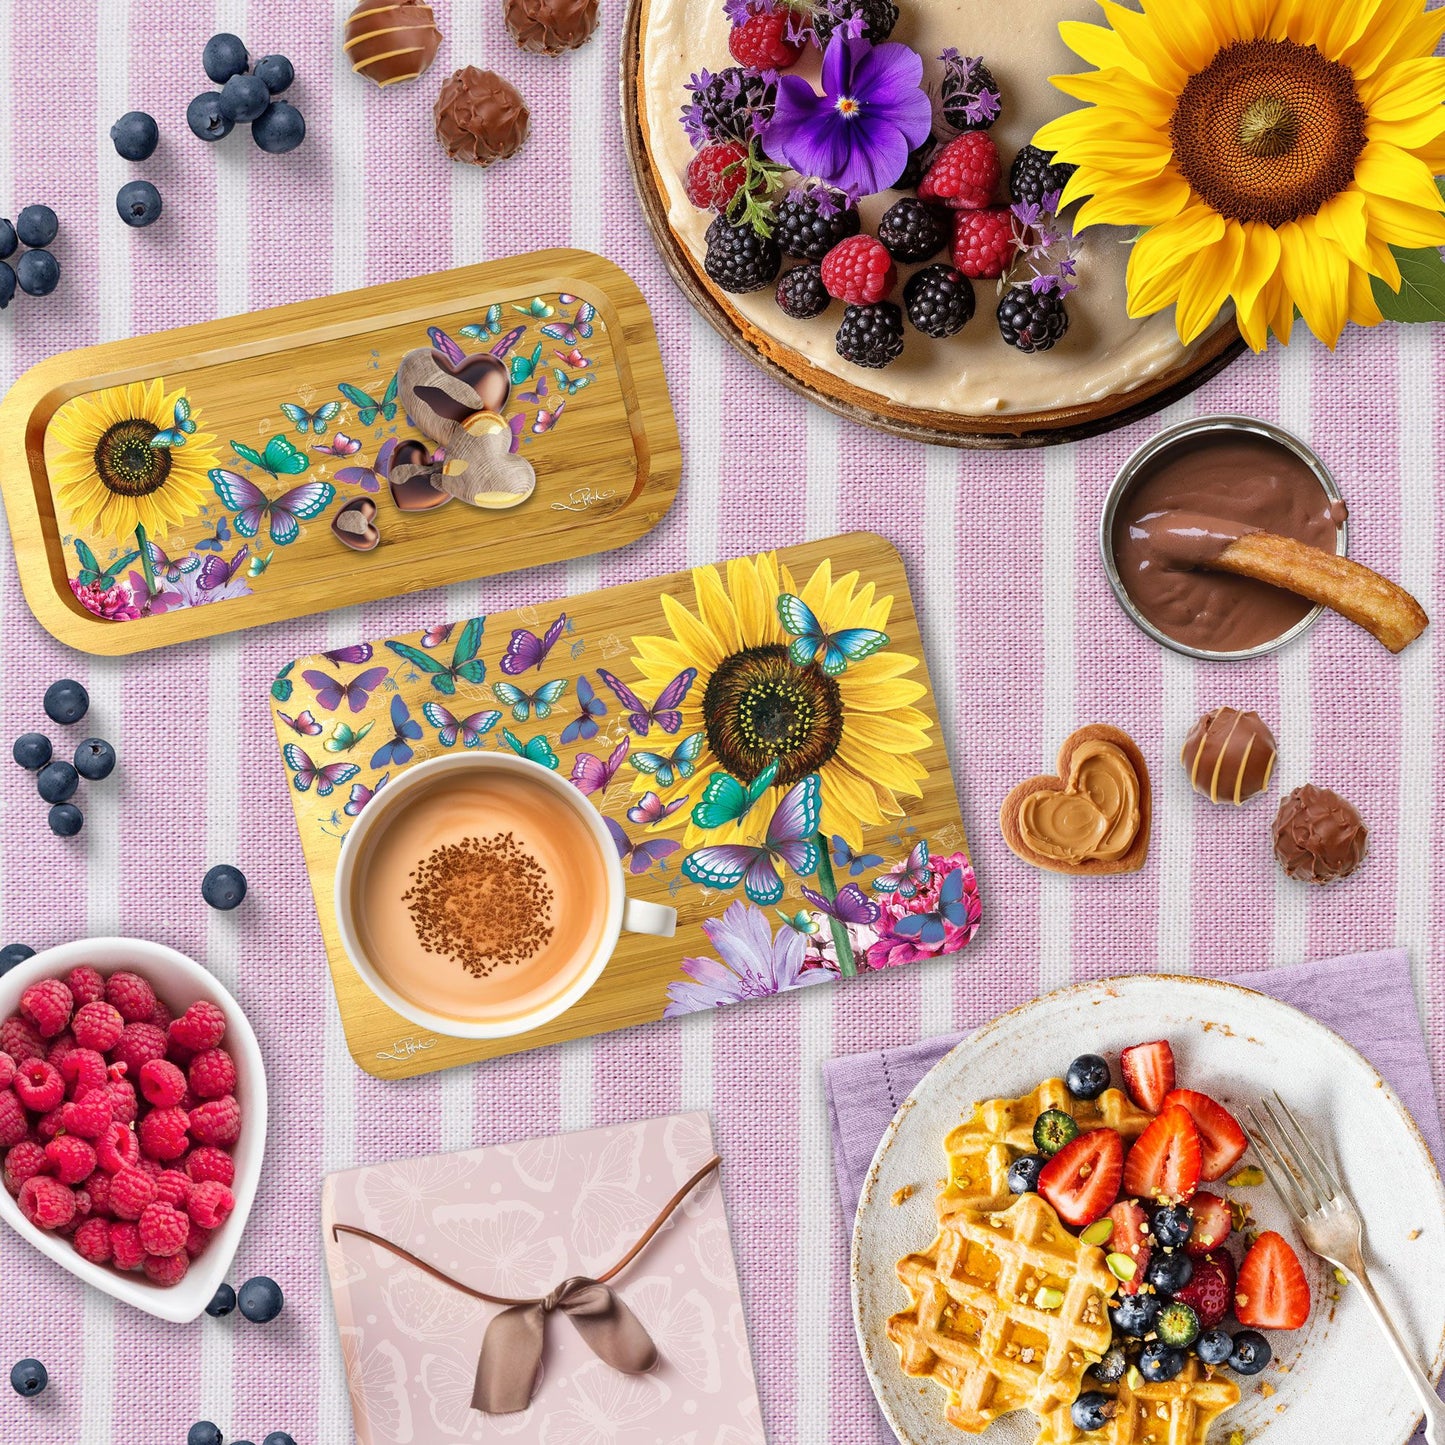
<point>355,525</point>
<point>483,372</point>
<point>415,493</point>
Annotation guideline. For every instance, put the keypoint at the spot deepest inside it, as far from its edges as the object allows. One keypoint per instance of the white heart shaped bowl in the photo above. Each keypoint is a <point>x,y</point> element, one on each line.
<point>179,982</point>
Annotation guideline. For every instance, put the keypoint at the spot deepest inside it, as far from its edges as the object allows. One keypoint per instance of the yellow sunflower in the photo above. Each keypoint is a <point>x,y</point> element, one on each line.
<point>1275,149</point>
<point>858,730</point>
<point>110,477</point>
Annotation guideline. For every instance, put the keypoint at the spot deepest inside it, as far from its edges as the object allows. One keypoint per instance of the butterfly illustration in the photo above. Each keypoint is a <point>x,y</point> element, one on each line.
<point>573,358</point>
<point>259,564</point>
<point>915,877</point>
<point>933,927</point>
<point>405,730</point>
<point>835,650</point>
<point>726,800</point>
<point>369,478</point>
<point>217,573</point>
<point>340,445</point>
<point>651,810</point>
<point>471,729</point>
<point>789,838</point>
<point>316,421</point>
<point>480,330</point>
<point>217,539</point>
<point>305,724</point>
<point>501,347</point>
<point>591,775</point>
<point>678,764</point>
<point>436,636</point>
<point>521,367</point>
<point>855,863</point>
<point>346,737</point>
<point>546,420</point>
<point>326,778</point>
<point>664,712</point>
<point>446,345</point>
<point>282,686</point>
<point>465,665</point>
<point>851,905</point>
<point>284,514</point>
<point>571,384</point>
<point>361,795</point>
<point>640,856</point>
<point>525,649</point>
<point>535,750</point>
<point>181,427</point>
<point>278,457</point>
<point>584,725</point>
<point>330,691</point>
<point>91,572</point>
<point>167,567</point>
<point>352,656</point>
<point>539,389</point>
<point>535,307</point>
<point>800,922</point>
<point>368,408</point>
<point>569,333</point>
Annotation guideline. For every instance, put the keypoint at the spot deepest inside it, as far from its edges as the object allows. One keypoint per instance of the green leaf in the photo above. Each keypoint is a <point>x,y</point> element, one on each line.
<point>1422,288</point>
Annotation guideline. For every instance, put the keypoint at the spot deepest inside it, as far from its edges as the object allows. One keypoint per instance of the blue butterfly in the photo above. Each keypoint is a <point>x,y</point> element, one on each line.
<point>535,750</point>
<point>175,435</point>
<point>855,863</point>
<point>524,704</point>
<point>834,650</point>
<point>915,876</point>
<point>668,769</point>
<point>217,540</point>
<point>726,800</point>
<point>316,421</point>
<point>367,406</point>
<point>584,725</point>
<point>572,384</point>
<point>932,927</point>
<point>405,730</point>
<point>492,326</point>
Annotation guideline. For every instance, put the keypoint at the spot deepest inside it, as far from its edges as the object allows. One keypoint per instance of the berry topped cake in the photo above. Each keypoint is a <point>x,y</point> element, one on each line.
<point>851,185</point>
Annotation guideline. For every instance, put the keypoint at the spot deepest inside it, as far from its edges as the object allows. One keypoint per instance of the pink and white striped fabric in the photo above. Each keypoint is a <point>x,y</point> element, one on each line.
<point>1024,640</point>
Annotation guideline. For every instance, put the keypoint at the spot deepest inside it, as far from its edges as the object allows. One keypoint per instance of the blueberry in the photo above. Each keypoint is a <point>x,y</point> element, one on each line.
<point>1172,1224</point>
<point>66,701</point>
<point>224,887</point>
<point>7,284</point>
<point>1169,1271</point>
<point>1134,1315</point>
<point>66,820</point>
<point>278,1437</point>
<point>8,239</point>
<point>260,1300</point>
<point>1092,1411</point>
<point>138,203</point>
<point>1178,1325</point>
<point>243,98</point>
<point>1054,1130</point>
<point>32,750</point>
<point>57,781</point>
<point>1023,1174</point>
<point>37,226</point>
<point>38,273</point>
<point>14,954</point>
<point>1251,1353</point>
<point>224,56</point>
<point>203,1432</point>
<point>1110,1369</point>
<point>1088,1076</point>
<point>276,71</point>
<point>1159,1363</point>
<point>279,129</point>
<point>135,136</point>
<point>1214,1347</point>
<point>94,759</point>
<point>222,1302</point>
<point>28,1377</point>
<point>205,118</point>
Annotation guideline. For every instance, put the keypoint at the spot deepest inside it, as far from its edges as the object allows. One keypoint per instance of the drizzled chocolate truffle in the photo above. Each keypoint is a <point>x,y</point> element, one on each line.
<point>1318,835</point>
<point>548,27</point>
<point>1229,755</point>
<point>480,118</point>
<point>391,44</point>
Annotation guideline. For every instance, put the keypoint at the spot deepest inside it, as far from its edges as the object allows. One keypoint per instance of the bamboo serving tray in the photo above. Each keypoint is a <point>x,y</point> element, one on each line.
<point>338,716</point>
<point>588,408</point>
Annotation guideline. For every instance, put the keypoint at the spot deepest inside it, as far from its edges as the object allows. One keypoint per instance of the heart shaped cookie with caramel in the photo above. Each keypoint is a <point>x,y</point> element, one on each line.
<point>1093,816</point>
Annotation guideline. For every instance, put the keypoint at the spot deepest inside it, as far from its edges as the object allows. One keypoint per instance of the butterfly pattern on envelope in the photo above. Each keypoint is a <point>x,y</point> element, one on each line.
<point>465,665</point>
<point>790,838</point>
<point>252,506</point>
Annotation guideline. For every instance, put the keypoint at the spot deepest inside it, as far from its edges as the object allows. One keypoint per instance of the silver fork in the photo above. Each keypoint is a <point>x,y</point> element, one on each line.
<point>1330,1225</point>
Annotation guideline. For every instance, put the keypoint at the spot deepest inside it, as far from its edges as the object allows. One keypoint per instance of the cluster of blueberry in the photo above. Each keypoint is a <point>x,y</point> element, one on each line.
<point>37,272</point>
<point>66,703</point>
<point>246,97</point>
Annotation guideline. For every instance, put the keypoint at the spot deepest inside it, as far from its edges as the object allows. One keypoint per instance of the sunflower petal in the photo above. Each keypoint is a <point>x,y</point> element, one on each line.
<point>1205,286</point>
<point>1399,224</point>
<point>1258,265</point>
<point>1159,200</point>
<point>1159,258</point>
<point>1316,275</point>
<point>1406,90</point>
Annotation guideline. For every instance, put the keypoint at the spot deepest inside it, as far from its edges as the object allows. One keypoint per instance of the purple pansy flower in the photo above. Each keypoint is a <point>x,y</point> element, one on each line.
<point>856,136</point>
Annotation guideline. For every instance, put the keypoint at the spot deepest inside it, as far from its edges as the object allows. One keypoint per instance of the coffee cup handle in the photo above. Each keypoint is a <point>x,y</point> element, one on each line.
<point>640,916</point>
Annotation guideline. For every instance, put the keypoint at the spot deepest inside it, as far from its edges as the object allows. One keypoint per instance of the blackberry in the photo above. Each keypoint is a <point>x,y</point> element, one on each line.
<point>878,16</point>
<point>728,105</point>
<point>871,335</point>
<point>970,95</point>
<point>912,230</point>
<point>801,293</point>
<point>1032,321</point>
<point>738,258</point>
<point>939,301</point>
<point>810,224</point>
<point>1034,175</point>
<point>918,162</point>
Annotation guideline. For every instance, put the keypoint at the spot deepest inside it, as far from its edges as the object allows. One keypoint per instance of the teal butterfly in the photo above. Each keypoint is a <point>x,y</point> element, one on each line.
<point>181,427</point>
<point>801,922</point>
<point>346,737</point>
<point>367,406</point>
<point>492,326</point>
<point>281,687</point>
<point>726,800</point>
<point>572,384</point>
<point>465,665</point>
<point>524,704</point>
<point>92,573</point>
<point>678,764</point>
<point>811,643</point>
<point>536,307</point>
<point>258,564</point>
<point>279,457</point>
<point>316,421</point>
<point>535,750</point>
<point>522,367</point>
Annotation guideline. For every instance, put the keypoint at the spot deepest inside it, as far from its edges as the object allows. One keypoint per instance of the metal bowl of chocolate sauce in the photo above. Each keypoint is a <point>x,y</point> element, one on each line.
<point>1245,474</point>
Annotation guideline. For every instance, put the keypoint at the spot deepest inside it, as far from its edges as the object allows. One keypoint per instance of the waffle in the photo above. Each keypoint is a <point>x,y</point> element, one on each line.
<point>1177,1413</point>
<point>973,1326</point>
<point>980,1151</point>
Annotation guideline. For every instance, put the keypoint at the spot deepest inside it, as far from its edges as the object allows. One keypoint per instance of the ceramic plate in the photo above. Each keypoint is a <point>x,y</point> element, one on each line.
<point>1340,1383</point>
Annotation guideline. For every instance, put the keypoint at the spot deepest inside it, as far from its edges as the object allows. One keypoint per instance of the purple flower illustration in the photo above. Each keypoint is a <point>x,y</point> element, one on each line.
<point>856,136</point>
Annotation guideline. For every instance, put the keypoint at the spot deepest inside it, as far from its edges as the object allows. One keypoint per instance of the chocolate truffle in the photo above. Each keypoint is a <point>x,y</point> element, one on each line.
<point>1229,754</point>
<point>391,43</point>
<point>480,117</point>
<point>1318,836</point>
<point>548,27</point>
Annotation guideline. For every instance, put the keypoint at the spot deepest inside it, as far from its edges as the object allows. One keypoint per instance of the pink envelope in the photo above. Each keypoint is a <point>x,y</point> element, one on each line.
<point>516,1220</point>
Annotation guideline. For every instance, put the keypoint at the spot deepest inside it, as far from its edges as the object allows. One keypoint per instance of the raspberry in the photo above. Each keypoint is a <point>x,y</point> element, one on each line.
<point>801,293</point>
<point>208,1163</point>
<point>163,1135</point>
<point>98,1025</point>
<point>212,1074</point>
<point>47,1005</point>
<point>1035,178</point>
<point>809,223</point>
<point>89,1117</point>
<point>48,1125</point>
<point>166,1269</point>
<point>161,1016</point>
<point>14,1126</point>
<point>23,1161</point>
<point>61,1045</point>
<point>871,335</point>
<point>162,1083</point>
<point>125,1247</point>
<point>125,1107</point>
<point>761,40</point>
<point>151,1168</point>
<point>912,230</point>
<point>131,1189</point>
<point>162,1229</point>
<point>116,1148</point>
<point>716,174</point>
<point>46,1202</point>
<point>20,1041</point>
<point>132,996</point>
<point>984,244</point>
<point>82,1204</point>
<point>1032,320</point>
<point>140,1043</point>
<point>217,1121</point>
<point>210,1204</point>
<point>202,1026</point>
<point>71,1160</point>
<point>738,258</point>
<point>939,301</point>
<point>7,1070</point>
<point>83,1070</point>
<point>196,1240</point>
<point>878,16</point>
<point>85,985</point>
<point>98,1187</point>
<point>173,1187</point>
<point>965,173</point>
<point>92,1241</point>
<point>858,270</point>
<point>39,1085</point>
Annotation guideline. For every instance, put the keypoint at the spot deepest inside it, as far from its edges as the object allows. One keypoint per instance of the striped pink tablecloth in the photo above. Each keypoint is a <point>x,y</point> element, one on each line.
<point>1024,640</point>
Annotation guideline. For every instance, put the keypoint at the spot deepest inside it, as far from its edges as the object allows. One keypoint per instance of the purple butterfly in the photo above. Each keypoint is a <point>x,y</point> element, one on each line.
<point>851,905</point>
<point>305,724</point>
<point>164,566</point>
<point>326,778</point>
<point>546,420</point>
<point>352,656</point>
<point>361,795</point>
<point>914,876</point>
<point>584,725</point>
<point>216,573</point>
<point>518,425</point>
<point>652,810</point>
<point>591,775</point>
<point>664,712</point>
<point>527,650</point>
<point>639,857</point>
<point>369,478</point>
<point>284,514</point>
<point>340,445</point>
<point>791,838</point>
<point>446,345</point>
<point>471,729</point>
<point>331,690</point>
<point>508,341</point>
<point>436,636</point>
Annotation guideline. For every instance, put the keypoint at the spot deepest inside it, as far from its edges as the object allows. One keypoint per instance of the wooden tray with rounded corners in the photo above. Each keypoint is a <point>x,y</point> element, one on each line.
<point>607,472</point>
<point>783,364</point>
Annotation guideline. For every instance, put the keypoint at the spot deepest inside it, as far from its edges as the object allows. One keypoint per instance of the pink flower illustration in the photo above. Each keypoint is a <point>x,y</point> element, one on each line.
<point>891,949</point>
<point>114,603</point>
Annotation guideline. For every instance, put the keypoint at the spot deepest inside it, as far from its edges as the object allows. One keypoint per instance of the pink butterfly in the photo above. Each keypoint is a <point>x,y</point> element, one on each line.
<point>436,636</point>
<point>340,445</point>
<point>546,420</point>
<point>664,712</point>
<point>306,725</point>
<point>590,775</point>
<point>361,795</point>
<point>652,810</point>
<point>574,359</point>
<point>639,857</point>
<point>327,778</point>
<point>526,649</point>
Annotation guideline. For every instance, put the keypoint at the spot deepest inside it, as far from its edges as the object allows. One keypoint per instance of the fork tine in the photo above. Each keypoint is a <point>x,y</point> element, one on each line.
<point>1301,1163</point>
<point>1332,1184</point>
<point>1284,1183</point>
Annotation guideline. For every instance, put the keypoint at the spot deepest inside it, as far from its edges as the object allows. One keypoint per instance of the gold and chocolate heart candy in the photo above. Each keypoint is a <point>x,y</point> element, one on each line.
<point>391,43</point>
<point>413,490</point>
<point>355,525</point>
<point>484,374</point>
<point>1229,755</point>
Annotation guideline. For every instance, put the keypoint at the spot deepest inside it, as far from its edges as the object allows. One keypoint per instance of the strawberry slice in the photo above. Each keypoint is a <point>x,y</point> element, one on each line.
<point>1210,1293</point>
<point>1131,1239</point>
<point>1081,1181</point>
<point>1272,1293</point>
<point>1220,1136</point>
<point>1213,1223</point>
<point>1148,1073</point>
<point>1165,1160</point>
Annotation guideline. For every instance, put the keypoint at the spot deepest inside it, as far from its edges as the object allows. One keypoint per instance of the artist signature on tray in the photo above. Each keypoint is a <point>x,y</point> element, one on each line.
<point>404,1049</point>
<point>580,498</point>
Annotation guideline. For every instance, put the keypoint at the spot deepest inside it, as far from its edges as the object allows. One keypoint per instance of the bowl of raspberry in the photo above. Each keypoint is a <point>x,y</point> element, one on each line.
<point>132,1119</point>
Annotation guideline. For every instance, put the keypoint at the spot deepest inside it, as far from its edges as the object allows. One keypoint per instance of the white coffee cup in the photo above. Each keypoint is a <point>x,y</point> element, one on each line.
<point>634,915</point>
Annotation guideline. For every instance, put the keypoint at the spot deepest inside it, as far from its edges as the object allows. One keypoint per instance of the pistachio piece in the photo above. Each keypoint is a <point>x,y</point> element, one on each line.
<point>1121,1266</point>
<point>1099,1232</point>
